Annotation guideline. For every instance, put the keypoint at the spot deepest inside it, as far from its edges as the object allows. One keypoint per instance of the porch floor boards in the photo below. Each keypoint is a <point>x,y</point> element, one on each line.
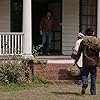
<point>53,57</point>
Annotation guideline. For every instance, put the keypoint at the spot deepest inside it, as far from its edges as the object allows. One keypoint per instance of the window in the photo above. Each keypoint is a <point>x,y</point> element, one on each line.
<point>16,15</point>
<point>88,14</point>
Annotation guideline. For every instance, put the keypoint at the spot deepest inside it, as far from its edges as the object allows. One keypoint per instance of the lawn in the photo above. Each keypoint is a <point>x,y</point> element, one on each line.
<point>54,91</point>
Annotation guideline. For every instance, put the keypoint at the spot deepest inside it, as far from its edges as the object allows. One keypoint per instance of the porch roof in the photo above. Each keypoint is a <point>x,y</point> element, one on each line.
<point>46,0</point>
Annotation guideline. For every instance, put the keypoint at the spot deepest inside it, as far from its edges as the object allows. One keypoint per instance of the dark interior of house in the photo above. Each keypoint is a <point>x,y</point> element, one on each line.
<point>39,10</point>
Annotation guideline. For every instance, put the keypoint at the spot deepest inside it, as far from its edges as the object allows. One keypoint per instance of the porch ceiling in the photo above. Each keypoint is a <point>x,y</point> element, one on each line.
<point>46,0</point>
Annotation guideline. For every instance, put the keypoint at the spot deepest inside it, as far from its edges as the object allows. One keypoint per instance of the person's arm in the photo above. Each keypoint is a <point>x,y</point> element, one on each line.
<point>56,23</point>
<point>76,46</point>
<point>41,25</point>
<point>79,53</point>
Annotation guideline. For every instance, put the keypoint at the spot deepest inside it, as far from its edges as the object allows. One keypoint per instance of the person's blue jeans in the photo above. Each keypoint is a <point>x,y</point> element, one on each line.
<point>85,73</point>
<point>46,41</point>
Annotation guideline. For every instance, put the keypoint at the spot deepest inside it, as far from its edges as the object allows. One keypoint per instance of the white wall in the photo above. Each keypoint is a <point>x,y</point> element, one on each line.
<point>70,21</point>
<point>4,15</point>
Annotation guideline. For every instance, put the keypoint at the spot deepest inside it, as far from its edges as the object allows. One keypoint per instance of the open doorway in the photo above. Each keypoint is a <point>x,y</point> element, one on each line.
<point>39,10</point>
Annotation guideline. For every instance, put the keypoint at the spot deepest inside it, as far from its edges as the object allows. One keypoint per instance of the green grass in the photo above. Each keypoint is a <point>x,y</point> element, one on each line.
<point>14,87</point>
<point>40,80</point>
<point>36,81</point>
<point>98,81</point>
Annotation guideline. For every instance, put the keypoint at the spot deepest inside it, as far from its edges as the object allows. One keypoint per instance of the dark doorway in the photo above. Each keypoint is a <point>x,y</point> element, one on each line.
<point>39,10</point>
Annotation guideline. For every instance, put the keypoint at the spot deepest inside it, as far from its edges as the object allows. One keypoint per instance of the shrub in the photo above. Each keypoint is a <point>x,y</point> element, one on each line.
<point>14,71</point>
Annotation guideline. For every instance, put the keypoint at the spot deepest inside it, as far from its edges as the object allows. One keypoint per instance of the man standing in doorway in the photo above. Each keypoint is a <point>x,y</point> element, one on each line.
<point>46,27</point>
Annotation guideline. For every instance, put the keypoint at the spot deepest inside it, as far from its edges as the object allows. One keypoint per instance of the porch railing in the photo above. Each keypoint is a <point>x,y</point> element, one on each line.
<point>11,43</point>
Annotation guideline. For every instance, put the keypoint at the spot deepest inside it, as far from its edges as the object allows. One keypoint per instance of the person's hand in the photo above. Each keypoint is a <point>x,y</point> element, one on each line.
<point>60,24</point>
<point>41,32</point>
<point>74,63</point>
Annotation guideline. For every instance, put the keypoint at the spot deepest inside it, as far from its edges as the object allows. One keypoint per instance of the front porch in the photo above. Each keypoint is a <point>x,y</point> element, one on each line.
<point>62,40</point>
<point>20,43</point>
<point>56,68</point>
<point>24,16</point>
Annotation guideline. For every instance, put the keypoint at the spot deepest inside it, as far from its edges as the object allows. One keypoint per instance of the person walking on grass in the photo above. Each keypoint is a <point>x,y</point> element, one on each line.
<point>90,60</point>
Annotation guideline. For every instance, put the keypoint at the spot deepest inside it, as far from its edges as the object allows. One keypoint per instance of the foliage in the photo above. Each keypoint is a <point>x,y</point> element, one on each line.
<point>40,80</point>
<point>36,50</point>
<point>36,81</point>
<point>16,69</point>
<point>13,71</point>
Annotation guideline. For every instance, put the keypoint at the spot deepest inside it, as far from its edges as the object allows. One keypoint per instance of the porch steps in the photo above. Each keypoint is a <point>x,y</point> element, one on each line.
<point>56,68</point>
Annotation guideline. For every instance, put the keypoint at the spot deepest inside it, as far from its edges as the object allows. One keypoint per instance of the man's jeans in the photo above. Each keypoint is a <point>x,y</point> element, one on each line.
<point>85,73</point>
<point>46,41</point>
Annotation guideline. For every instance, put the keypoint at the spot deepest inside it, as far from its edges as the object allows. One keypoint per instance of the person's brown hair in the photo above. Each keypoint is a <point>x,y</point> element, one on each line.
<point>50,12</point>
<point>89,32</point>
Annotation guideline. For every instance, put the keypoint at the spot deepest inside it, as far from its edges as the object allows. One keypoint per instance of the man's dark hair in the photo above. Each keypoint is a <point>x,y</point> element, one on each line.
<point>89,32</point>
<point>50,11</point>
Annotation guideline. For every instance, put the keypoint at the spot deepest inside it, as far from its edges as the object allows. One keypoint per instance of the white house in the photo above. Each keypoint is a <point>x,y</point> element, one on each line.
<point>18,21</point>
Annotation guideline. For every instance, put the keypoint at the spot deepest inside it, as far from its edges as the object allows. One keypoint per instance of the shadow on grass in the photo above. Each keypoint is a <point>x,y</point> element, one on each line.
<point>66,93</point>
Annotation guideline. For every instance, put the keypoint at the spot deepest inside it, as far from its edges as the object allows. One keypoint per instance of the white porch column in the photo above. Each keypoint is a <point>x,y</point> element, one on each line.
<point>27,30</point>
<point>98,18</point>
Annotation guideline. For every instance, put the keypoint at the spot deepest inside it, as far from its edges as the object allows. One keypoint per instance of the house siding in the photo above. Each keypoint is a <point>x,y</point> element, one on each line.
<point>5,16</point>
<point>70,28</point>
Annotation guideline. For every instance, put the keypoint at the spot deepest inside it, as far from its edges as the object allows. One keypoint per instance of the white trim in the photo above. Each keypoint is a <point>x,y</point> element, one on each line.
<point>60,61</point>
<point>54,57</point>
<point>11,33</point>
<point>98,18</point>
<point>27,28</point>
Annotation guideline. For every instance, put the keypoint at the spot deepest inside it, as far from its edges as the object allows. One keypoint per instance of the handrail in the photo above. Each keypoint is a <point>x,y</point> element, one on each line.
<point>11,33</point>
<point>11,43</point>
